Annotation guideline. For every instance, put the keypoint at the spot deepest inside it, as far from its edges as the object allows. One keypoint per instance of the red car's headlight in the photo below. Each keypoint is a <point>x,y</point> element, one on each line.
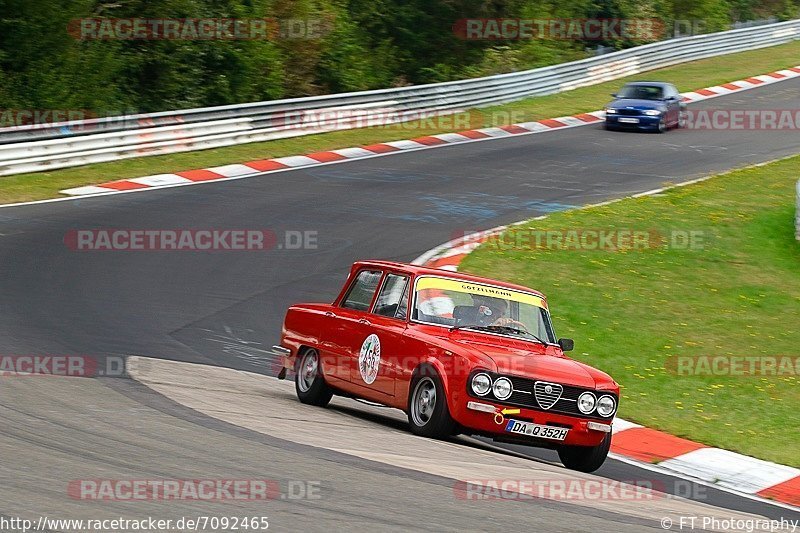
<point>481,384</point>
<point>502,388</point>
<point>606,406</point>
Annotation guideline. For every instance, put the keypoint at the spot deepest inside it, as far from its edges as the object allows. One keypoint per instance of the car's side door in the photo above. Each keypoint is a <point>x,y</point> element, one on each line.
<point>343,325</point>
<point>380,348</point>
<point>673,104</point>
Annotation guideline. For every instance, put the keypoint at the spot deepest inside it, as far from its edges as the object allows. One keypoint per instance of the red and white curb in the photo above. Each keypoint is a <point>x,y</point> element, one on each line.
<point>253,168</point>
<point>644,446</point>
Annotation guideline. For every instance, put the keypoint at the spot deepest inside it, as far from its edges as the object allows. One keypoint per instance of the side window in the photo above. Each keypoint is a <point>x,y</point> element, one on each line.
<point>671,91</point>
<point>393,299</point>
<point>362,290</point>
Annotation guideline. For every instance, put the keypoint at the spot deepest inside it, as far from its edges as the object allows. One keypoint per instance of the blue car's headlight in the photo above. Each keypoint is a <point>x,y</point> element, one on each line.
<point>611,111</point>
<point>652,112</point>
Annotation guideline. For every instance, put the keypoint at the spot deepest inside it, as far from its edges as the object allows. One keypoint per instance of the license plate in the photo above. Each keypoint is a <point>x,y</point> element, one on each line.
<point>626,120</point>
<point>536,430</point>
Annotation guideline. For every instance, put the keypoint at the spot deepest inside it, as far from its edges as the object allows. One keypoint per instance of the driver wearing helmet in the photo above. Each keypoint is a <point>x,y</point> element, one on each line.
<point>492,312</point>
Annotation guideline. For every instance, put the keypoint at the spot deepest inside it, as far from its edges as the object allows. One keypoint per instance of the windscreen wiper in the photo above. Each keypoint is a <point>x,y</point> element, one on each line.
<point>511,329</point>
<point>464,326</point>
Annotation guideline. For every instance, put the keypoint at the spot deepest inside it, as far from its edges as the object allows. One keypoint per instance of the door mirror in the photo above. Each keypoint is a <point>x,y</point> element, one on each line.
<point>614,95</point>
<point>567,345</point>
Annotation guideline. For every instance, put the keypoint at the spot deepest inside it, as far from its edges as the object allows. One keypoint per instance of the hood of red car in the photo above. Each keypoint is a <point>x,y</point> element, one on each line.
<point>535,362</point>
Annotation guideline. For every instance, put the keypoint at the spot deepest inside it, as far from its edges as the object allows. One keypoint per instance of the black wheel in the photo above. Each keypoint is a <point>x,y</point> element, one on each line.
<point>428,414</point>
<point>308,381</point>
<point>585,458</point>
<point>662,124</point>
<point>609,127</point>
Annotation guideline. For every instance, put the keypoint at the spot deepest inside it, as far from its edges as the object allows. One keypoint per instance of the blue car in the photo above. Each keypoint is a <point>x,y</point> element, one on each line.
<point>647,106</point>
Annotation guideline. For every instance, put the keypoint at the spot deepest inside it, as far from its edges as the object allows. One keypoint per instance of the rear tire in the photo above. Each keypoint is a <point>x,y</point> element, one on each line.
<point>308,381</point>
<point>428,414</point>
<point>585,458</point>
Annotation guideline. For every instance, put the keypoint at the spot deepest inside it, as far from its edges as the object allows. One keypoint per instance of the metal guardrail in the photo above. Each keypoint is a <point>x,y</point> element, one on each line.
<point>797,214</point>
<point>52,146</point>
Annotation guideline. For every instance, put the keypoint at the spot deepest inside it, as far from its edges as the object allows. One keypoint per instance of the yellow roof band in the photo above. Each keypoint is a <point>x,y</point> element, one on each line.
<point>429,282</point>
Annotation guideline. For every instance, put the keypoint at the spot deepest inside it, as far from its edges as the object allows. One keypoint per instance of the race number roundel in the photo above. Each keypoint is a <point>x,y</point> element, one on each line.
<point>370,358</point>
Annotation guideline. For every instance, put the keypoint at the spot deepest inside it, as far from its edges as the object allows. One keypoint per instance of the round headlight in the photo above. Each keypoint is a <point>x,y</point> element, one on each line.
<point>606,406</point>
<point>481,384</point>
<point>652,112</point>
<point>502,388</point>
<point>586,402</point>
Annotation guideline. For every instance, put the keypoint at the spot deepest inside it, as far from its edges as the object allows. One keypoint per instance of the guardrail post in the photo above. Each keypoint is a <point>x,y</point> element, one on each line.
<point>797,213</point>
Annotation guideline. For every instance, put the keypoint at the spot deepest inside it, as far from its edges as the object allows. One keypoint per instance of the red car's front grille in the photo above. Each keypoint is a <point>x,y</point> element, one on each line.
<point>524,395</point>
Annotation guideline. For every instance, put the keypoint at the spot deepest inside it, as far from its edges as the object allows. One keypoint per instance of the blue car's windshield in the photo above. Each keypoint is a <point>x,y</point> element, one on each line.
<point>641,92</point>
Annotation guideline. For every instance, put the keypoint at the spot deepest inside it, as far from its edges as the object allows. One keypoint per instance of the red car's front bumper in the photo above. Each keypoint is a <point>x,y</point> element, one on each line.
<point>486,423</point>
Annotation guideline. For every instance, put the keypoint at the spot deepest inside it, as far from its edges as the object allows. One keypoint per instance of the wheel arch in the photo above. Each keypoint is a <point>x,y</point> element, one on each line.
<point>427,368</point>
<point>452,382</point>
<point>301,350</point>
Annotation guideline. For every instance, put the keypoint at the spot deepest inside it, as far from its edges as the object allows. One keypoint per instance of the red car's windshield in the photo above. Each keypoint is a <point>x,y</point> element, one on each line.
<point>463,304</point>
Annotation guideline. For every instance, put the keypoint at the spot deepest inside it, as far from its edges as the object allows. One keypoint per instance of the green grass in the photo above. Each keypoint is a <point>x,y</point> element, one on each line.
<point>687,77</point>
<point>629,311</point>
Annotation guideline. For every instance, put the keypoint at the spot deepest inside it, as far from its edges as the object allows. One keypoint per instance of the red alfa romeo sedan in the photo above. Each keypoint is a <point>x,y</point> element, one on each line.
<point>459,354</point>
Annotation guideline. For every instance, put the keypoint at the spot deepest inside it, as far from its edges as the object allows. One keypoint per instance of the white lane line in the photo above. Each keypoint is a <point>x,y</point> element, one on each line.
<point>295,161</point>
<point>722,90</point>
<point>404,145</point>
<point>231,171</point>
<point>534,127</point>
<point>451,137</point>
<point>659,470</point>
<point>621,425</point>
<point>766,78</point>
<point>730,469</point>
<point>78,191</point>
<point>157,180</point>
<point>494,132</point>
<point>353,153</point>
<point>570,121</point>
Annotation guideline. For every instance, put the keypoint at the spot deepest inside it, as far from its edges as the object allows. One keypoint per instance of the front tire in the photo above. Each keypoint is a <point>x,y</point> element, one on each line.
<point>662,125</point>
<point>308,381</point>
<point>428,414</point>
<point>585,458</point>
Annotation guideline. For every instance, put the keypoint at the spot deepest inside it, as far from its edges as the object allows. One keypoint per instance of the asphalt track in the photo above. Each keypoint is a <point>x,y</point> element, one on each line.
<point>225,308</point>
